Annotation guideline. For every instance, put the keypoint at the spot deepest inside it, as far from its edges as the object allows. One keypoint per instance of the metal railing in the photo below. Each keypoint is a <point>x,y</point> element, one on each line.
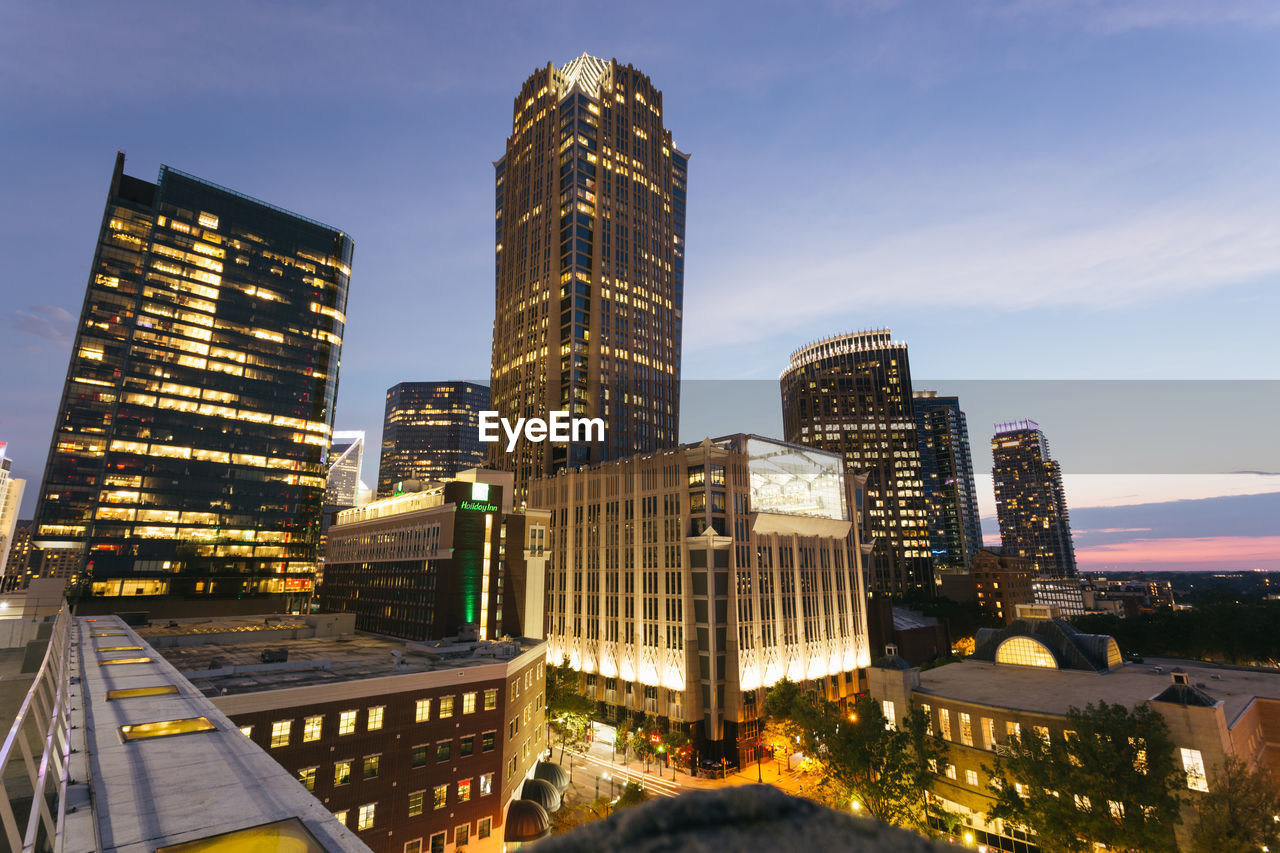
<point>41,735</point>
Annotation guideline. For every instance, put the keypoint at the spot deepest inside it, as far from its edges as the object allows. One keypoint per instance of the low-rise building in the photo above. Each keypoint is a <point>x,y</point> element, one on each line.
<point>1025,678</point>
<point>414,746</point>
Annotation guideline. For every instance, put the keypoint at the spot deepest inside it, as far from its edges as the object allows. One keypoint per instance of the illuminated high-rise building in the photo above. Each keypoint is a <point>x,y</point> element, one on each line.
<point>946,469</point>
<point>346,453</point>
<point>187,468</point>
<point>11,489</point>
<point>1030,503</point>
<point>589,235</point>
<point>431,431</point>
<point>851,394</point>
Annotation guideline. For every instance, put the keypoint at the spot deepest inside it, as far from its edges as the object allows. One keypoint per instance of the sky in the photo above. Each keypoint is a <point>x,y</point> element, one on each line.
<point>1033,190</point>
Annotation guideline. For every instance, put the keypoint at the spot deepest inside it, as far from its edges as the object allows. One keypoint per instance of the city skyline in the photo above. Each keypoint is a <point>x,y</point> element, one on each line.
<point>1132,154</point>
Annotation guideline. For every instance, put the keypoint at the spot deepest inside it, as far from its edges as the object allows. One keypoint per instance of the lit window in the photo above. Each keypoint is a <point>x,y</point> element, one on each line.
<point>1013,730</point>
<point>890,714</point>
<point>280,733</point>
<point>341,817</point>
<point>944,723</point>
<point>951,771</point>
<point>375,718</point>
<point>1193,765</point>
<point>490,700</point>
<point>464,791</point>
<point>440,796</point>
<point>247,731</point>
<point>468,703</point>
<point>988,733</point>
<point>365,819</point>
<point>422,711</point>
<point>971,778</point>
<point>1025,651</point>
<point>341,772</point>
<point>311,727</point>
<point>487,741</point>
<point>371,765</point>
<point>307,776</point>
<point>486,784</point>
<point>928,719</point>
<point>443,751</point>
<point>966,729</point>
<point>347,722</point>
<point>446,707</point>
<point>437,843</point>
<point>416,803</point>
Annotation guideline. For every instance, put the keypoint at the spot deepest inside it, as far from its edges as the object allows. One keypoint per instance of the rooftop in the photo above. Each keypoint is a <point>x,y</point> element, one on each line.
<point>1053,691</point>
<point>230,665</point>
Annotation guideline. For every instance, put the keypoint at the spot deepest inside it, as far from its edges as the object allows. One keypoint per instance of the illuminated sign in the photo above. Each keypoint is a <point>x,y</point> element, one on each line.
<point>477,506</point>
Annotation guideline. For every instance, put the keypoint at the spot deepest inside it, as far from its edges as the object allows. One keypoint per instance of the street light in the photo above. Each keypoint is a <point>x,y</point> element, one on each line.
<point>759,777</point>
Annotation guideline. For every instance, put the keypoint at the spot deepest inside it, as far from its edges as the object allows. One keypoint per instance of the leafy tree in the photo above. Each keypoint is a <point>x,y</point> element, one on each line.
<point>642,740</point>
<point>570,817</point>
<point>622,737</point>
<point>865,760</point>
<point>677,743</point>
<point>633,794</point>
<point>1111,778</point>
<point>568,711</point>
<point>1239,812</point>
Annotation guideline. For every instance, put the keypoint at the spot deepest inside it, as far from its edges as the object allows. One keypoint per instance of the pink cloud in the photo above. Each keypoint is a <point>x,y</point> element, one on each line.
<point>1238,552</point>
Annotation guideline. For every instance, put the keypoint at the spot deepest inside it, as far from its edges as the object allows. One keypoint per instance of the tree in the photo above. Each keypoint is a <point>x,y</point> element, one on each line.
<point>622,735</point>
<point>568,711</point>
<point>645,739</point>
<point>1239,812</point>
<point>676,742</point>
<point>633,794</point>
<point>570,817</point>
<point>1110,778</point>
<point>864,759</point>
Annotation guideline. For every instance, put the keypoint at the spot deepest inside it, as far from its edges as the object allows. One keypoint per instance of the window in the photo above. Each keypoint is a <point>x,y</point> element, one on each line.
<point>247,731</point>
<point>375,718</point>
<point>490,703</point>
<point>966,729</point>
<point>418,756</point>
<point>280,733</point>
<point>1012,729</point>
<point>515,690</point>
<point>486,784</point>
<point>461,835</point>
<point>988,733</point>
<point>446,707</point>
<point>971,778</point>
<point>341,817</point>
<point>1042,732</point>
<point>347,722</point>
<point>944,723</point>
<point>933,765</point>
<point>484,827</point>
<point>487,741</point>
<point>341,772</point>
<point>890,714</point>
<point>371,765</point>
<point>468,703</point>
<point>512,728</point>
<point>951,771</point>
<point>311,728</point>
<point>422,711</point>
<point>1193,765</point>
<point>440,795</point>
<point>364,819</point>
<point>307,776</point>
<point>437,843</point>
<point>416,802</point>
<point>464,791</point>
<point>928,719</point>
<point>528,710</point>
<point>443,750</point>
<point>414,846</point>
<point>467,746</point>
<point>1025,651</point>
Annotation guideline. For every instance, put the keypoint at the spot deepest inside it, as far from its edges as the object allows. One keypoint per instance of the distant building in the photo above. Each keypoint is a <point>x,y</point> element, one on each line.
<point>1071,596</point>
<point>16,571</point>
<point>411,746</point>
<point>946,470</point>
<point>431,431</point>
<point>427,564</point>
<point>1022,679</point>
<point>1030,503</point>
<point>851,395</point>
<point>685,583</point>
<point>919,639</point>
<point>186,472</point>
<point>346,454</point>
<point>11,489</point>
<point>997,582</point>
<point>589,248</point>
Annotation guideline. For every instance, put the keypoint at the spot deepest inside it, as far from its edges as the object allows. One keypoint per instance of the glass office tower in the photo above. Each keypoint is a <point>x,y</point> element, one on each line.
<point>590,203</point>
<point>431,431</point>
<point>1031,505</point>
<point>187,467</point>
<point>946,469</point>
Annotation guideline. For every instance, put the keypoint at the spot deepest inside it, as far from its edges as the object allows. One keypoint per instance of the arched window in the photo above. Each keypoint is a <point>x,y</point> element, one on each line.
<point>1026,651</point>
<point>1114,658</point>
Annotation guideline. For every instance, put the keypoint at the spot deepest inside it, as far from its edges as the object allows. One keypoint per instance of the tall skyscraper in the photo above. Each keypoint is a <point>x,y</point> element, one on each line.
<point>589,265</point>
<point>11,489</point>
<point>187,471</point>
<point>946,469</point>
<point>1030,503</point>
<point>342,484</point>
<point>851,394</point>
<point>431,431</point>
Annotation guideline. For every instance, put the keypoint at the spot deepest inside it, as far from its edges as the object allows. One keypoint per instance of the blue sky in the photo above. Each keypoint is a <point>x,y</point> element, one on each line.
<point>1021,190</point>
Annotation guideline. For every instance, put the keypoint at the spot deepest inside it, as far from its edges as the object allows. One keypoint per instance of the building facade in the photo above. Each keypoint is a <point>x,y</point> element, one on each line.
<point>430,432</point>
<point>346,455</point>
<point>186,470</point>
<point>685,583</point>
<point>1070,596</point>
<point>946,470</point>
<point>413,747</point>
<point>1031,505</point>
<point>589,262</point>
<point>1024,678</point>
<point>425,565</point>
<point>11,489</point>
<point>851,395</point>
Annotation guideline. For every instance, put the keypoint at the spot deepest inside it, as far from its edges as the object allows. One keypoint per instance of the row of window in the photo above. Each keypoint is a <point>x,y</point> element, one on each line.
<point>313,726</point>
<point>461,835</point>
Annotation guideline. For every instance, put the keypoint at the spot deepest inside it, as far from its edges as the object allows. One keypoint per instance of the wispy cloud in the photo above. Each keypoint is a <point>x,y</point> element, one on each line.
<point>1118,16</point>
<point>44,321</point>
